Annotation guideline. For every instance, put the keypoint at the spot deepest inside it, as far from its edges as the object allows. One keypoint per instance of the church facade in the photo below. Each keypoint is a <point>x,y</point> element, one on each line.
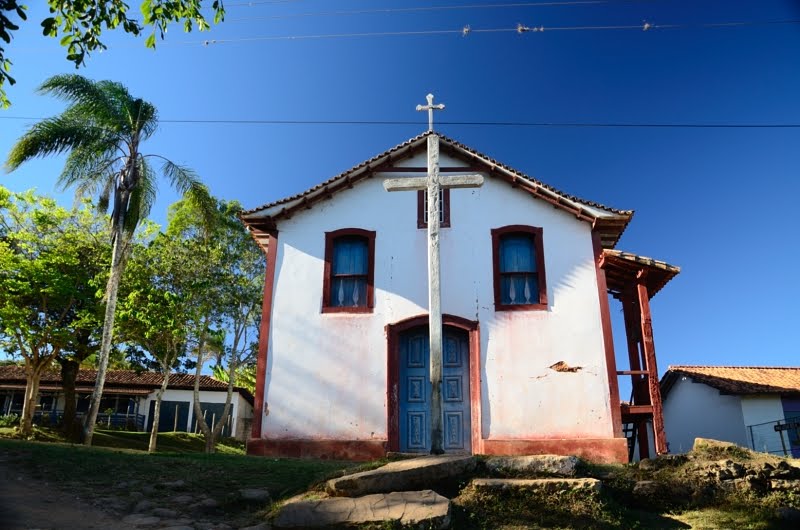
<point>528,358</point>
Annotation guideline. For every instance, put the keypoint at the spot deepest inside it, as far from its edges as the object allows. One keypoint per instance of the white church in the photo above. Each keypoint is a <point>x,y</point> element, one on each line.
<point>527,360</point>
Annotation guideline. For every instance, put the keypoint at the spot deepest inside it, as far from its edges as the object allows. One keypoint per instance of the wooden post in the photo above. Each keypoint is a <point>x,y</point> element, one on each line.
<point>175,425</point>
<point>648,345</point>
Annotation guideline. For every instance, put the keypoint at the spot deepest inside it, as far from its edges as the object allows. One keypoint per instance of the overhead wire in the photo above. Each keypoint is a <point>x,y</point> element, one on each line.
<point>649,125</point>
<point>520,28</point>
<point>419,9</point>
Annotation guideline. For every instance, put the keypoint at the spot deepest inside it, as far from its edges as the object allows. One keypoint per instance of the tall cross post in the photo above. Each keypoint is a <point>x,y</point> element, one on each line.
<point>433,183</point>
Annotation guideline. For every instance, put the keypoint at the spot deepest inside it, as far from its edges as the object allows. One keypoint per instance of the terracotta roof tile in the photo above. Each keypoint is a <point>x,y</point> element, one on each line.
<point>116,379</point>
<point>739,379</point>
<point>410,142</point>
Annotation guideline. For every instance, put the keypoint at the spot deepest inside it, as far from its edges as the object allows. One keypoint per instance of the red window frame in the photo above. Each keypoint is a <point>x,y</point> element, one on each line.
<point>330,238</point>
<point>538,246</point>
<point>422,212</point>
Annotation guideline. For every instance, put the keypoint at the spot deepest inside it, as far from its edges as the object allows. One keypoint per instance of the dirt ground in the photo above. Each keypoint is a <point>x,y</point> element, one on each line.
<point>34,504</point>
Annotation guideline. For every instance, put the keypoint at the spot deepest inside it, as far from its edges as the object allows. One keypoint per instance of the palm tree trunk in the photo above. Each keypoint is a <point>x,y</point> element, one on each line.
<point>117,267</point>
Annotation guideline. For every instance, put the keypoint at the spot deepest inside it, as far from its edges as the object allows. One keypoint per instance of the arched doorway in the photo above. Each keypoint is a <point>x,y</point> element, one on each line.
<point>409,387</point>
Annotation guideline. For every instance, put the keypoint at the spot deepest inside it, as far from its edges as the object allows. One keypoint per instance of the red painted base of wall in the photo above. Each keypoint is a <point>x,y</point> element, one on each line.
<point>601,450</point>
<point>359,450</point>
<point>605,450</point>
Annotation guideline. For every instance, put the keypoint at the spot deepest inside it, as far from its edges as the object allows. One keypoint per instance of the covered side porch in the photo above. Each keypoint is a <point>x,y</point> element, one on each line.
<point>633,281</point>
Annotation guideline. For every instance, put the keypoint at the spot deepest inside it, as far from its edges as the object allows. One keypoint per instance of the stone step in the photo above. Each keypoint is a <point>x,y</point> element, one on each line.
<point>406,507</point>
<point>534,465</point>
<point>590,486</point>
<point>403,475</point>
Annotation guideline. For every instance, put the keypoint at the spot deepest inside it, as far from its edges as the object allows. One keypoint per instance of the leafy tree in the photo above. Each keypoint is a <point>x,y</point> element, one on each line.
<point>155,314</point>
<point>49,260</point>
<point>102,129</point>
<point>81,23</point>
<point>245,376</point>
<point>227,297</point>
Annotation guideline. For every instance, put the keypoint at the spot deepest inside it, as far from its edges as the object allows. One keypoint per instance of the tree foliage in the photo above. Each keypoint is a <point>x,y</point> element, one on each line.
<point>80,24</point>
<point>102,130</point>
<point>227,304</point>
<point>154,313</point>
<point>52,261</point>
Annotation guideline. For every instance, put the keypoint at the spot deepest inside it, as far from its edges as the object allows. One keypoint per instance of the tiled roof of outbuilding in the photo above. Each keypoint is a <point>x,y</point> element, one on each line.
<point>738,380</point>
<point>117,379</point>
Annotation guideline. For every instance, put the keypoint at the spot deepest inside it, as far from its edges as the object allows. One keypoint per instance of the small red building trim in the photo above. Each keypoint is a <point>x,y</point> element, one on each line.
<point>357,450</point>
<point>263,335</point>
<point>330,237</point>
<point>393,374</point>
<point>598,450</point>
<point>536,233</point>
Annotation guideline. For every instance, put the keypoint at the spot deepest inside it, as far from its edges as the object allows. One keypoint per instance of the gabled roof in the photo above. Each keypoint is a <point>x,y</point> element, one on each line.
<point>738,380</point>
<point>609,221</point>
<point>118,380</point>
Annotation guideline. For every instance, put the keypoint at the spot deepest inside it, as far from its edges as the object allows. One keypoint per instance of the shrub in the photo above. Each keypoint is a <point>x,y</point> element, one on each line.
<point>9,420</point>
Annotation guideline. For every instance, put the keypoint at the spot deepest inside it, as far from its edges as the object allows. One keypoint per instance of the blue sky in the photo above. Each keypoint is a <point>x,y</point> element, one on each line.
<point>720,203</point>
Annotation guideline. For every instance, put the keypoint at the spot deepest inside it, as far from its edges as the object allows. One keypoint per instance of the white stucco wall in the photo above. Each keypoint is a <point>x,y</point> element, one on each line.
<point>760,410</point>
<point>693,410</point>
<point>326,373</point>
<point>240,408</point>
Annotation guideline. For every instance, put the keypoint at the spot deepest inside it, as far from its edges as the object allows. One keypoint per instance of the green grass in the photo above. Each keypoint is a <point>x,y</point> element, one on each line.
<point>168,442</point>
<point>98,473</point>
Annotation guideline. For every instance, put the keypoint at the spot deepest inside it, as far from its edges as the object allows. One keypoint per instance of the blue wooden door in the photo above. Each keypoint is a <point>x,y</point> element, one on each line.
<point>415,391</point>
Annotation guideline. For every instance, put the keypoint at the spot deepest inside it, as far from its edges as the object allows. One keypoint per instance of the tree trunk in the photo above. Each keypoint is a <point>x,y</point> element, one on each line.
<point>31,399</point>
<point>69,373</point>
<point>151,448</point>
<point>227,408</point>
<point>198,411</point>
<point>117,267</point>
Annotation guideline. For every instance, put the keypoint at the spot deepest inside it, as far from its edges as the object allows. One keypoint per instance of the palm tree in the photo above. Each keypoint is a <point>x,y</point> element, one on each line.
<point>102,129</point>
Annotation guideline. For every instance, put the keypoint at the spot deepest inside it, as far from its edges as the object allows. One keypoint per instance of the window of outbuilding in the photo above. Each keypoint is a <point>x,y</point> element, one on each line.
<point>519,275</point>
<point>348,283</point>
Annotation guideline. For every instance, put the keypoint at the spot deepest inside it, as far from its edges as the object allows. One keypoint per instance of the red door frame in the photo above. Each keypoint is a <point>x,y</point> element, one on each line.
<point>393,332</point>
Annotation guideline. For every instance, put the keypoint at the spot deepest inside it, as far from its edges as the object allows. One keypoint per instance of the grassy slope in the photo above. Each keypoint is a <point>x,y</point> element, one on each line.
<point>95,472</point>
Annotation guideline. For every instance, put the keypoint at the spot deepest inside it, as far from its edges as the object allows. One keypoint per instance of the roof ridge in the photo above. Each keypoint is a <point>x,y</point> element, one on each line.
<point>455,143</point>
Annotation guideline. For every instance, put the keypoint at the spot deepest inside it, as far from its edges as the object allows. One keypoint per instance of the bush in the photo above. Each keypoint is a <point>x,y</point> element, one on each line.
<point>9,420</point>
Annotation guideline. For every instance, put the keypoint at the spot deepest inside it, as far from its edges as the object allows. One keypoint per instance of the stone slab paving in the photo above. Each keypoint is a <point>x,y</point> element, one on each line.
<point>405,507</point>
<point>555,465</point>
<point>544,485</point>
<point>403,475</point>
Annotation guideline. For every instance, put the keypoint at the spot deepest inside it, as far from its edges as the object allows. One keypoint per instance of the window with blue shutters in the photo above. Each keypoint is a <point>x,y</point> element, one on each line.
<point>349,271</point>
<point>519,276</point>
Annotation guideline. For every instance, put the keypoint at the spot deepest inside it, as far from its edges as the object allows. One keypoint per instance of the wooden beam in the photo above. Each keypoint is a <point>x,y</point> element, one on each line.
<point>649,348</point>
<point>608,339</point>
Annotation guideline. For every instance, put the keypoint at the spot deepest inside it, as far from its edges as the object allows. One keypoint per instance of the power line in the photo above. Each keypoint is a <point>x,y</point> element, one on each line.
<point>652,125</point>
<point>418,9</point>
<point>520,28</point>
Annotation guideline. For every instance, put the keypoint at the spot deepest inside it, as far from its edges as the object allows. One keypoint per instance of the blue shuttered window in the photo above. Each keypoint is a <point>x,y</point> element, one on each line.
<point>349,272</point>
<point>519,282</point>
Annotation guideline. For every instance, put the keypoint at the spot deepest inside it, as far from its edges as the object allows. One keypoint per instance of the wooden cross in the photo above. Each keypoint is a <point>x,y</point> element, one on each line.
<point>432,184</point>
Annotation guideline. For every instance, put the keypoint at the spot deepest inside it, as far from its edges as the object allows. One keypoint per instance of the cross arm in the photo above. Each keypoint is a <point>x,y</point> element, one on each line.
<point>461,181</point>
<point>406,184</point>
